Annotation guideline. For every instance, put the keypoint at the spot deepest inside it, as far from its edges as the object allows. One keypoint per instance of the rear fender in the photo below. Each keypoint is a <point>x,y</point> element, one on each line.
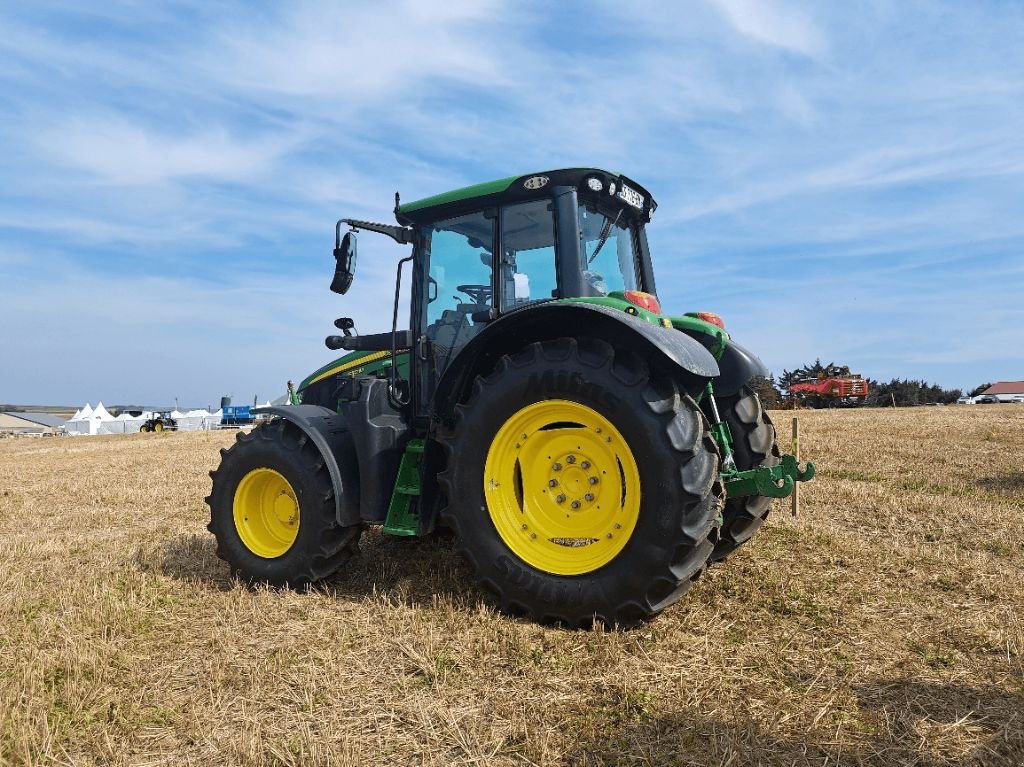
<point>329,432</point>
<point>665,348</point>
<point>738,366</point>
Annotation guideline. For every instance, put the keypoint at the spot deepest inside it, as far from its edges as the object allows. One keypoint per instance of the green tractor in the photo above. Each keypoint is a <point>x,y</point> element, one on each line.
<point>591,454</point>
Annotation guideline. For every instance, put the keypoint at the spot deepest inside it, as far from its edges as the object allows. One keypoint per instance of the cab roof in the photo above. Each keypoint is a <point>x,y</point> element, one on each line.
<point>518,188</point>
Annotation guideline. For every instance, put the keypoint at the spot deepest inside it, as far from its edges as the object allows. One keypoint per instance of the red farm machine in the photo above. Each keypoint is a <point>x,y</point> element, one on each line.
<point>834,386</point>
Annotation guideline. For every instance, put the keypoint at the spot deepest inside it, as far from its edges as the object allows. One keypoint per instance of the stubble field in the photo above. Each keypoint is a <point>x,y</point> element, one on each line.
<point>884,626</point>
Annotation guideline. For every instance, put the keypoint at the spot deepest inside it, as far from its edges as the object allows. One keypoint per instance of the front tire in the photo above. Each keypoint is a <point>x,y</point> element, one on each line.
<point>581,486</point>
<point>753,435</point>
<point>272,509</point>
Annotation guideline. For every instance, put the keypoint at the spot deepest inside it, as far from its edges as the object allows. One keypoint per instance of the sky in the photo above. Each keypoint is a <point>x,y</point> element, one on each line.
<point>837,180</point>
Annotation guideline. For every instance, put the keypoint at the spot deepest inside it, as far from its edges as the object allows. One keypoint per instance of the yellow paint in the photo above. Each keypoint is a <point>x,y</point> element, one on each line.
<point>562,487</point>
<point>348,366</point>
<point>266,513</point>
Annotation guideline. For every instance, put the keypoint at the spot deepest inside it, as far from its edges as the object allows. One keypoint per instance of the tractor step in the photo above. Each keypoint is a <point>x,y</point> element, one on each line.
<point>401,519</point>
<point>771,481</point>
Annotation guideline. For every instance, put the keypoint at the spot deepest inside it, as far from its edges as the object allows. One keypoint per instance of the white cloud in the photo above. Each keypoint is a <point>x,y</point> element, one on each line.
<point>116,150</point>
<point>775,24</point>
<point>363,52</point>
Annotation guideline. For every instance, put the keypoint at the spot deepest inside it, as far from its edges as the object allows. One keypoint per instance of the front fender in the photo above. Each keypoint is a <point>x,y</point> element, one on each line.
<point>329,432</point>
<point>662,347</point>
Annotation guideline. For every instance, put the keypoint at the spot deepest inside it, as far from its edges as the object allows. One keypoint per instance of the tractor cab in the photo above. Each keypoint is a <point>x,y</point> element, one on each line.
<point>484,253</point>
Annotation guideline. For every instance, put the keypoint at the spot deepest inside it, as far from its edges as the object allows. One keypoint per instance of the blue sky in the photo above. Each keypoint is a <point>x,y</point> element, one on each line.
<point>838,180</point>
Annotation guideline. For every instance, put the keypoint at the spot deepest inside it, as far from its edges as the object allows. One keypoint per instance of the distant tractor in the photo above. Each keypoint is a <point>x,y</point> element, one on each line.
<point>159,422</point>
<point>591,453</point>
<point>835,386</point>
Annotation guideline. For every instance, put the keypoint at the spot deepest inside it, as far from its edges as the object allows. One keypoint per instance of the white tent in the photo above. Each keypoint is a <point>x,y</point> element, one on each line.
<point>196,420</point>
<point>102,422</point>
<point>126,423</point>
<point>79,422</point>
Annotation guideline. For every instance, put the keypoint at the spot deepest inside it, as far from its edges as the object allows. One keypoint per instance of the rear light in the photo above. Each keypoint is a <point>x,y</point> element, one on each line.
<point>711,317</point>
<point>643,300</point>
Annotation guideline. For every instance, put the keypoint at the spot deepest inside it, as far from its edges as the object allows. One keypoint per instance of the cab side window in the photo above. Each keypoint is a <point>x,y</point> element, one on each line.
<point>528,265</point>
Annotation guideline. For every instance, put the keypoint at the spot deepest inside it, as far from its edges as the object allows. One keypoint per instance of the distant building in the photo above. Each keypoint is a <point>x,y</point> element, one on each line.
<point>1006,391</point>
<point>30,423</point>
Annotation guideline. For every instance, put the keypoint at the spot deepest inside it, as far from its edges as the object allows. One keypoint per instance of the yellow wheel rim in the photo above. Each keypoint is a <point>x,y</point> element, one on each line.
<point>266,513</point>
<point>562,487</point>
<point>158,426</point>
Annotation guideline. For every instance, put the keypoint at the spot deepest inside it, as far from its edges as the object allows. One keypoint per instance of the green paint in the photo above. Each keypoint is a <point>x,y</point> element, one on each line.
<point>497,187</point>
<point>765,480</point>
<point>349,366</point>
<point>401,520</point>
<point>458,195</point>
<point>690,324</point>
<point>617,300</point>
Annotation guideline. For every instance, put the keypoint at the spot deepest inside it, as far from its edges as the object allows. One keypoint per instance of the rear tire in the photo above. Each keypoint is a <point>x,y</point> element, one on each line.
<point>634,547</point>
<point>753,436</point>
<point>272,509</point>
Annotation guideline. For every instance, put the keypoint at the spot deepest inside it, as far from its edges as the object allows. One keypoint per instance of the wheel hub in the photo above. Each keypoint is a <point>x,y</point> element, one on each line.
<point>562,487</point>
<point>576,483</point>
<point>266,513</point>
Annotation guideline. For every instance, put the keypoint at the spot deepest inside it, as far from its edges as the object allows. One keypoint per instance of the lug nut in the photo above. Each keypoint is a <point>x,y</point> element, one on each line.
<point>575,504</point>
<point>570,459</point>
<point>585,465</point>
<point>556,466</point>
<point>588,497</point>
<point>552,483</point>
<point>592,480</point>
<point>560,499</point>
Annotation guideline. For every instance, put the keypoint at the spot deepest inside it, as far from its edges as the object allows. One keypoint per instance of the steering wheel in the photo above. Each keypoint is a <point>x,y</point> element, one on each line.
<point>478,294</point>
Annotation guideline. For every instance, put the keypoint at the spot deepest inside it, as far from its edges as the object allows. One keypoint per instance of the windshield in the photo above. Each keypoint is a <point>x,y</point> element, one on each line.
<point>609,258</point>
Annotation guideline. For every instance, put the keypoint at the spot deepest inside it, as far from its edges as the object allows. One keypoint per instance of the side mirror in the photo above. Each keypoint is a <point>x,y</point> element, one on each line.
<point>345,264</point>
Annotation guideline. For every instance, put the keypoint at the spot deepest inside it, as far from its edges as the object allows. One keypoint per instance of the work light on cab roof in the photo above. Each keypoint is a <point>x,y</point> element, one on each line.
<point>591,452</point>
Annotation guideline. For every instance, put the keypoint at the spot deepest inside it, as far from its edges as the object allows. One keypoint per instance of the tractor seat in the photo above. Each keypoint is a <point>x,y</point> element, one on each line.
<point>454,327</point>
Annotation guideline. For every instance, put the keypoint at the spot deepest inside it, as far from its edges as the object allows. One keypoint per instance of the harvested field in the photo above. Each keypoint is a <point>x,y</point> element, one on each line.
<point>883,626</point>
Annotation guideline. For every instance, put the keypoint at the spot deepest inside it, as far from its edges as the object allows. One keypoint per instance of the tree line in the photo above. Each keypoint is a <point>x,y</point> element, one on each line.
<point>905,392</point>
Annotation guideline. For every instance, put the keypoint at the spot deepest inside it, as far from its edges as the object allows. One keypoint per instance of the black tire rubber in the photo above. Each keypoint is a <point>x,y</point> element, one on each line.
<point>753,436</point>
<point>321,546</point>
<point>677,459</point>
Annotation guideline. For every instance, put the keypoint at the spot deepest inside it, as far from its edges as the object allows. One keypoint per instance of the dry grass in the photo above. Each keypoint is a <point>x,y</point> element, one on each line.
<point>884,626</point>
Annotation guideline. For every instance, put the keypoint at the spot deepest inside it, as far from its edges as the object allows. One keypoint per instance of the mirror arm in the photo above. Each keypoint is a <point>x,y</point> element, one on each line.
<point>403,235</point>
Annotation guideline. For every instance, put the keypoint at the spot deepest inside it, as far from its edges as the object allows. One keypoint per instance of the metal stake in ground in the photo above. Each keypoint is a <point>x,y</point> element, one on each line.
<point>796,454</point>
